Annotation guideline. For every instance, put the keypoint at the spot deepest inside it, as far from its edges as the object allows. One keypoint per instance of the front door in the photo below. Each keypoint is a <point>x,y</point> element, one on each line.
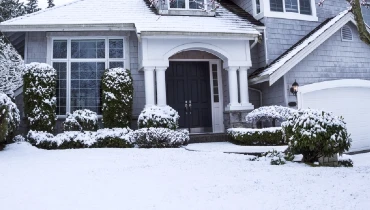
<point>188,92</point>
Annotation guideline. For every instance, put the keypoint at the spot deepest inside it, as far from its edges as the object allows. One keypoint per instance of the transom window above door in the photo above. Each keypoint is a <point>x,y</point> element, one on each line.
<point>80,64</point>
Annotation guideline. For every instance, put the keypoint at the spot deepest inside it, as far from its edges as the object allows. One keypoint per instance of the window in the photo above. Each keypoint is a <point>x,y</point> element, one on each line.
<point>304,6</point>
<point>187,4</point>
<point>216,94</point>
<point>346,33</point>
<point>258,6</point>
<point>80,64</point>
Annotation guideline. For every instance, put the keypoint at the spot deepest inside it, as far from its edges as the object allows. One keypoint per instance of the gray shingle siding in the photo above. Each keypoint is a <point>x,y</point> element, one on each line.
<point>247,5</point>
<point>332,60</point>
<point>36,47</point>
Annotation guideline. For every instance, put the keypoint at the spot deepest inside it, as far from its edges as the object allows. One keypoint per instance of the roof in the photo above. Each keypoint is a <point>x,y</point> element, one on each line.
<point>296,51</point>
<point>133,15</point>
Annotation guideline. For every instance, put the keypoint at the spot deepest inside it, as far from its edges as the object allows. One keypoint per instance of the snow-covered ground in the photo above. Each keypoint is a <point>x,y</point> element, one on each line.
<point>141,179</point>
<point>233,148</point>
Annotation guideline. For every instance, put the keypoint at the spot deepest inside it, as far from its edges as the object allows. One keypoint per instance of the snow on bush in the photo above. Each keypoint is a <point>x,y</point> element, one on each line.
<point>248,136</point>
<point>269,114</point>
<point>345,161</point>
<point>40,96</point>
<point>160,138</point>
<point>9,118</point>
<point>117,98</point>
<point>81,120</point>
<point>11,68</point>
<point>104,138</point>
<point>276,158</point>
<point>159,117</point>
<point>314,134</point>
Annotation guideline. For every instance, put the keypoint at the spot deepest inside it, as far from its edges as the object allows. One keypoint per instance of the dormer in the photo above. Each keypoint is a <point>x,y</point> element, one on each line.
<point>286,9</point>
<point>185,7</point>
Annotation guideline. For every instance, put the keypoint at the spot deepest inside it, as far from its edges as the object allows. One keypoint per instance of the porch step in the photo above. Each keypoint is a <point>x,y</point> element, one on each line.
<point>209,137</point>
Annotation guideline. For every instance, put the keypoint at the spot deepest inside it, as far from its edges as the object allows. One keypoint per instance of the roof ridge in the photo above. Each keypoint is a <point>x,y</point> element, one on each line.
<point>41,11</point>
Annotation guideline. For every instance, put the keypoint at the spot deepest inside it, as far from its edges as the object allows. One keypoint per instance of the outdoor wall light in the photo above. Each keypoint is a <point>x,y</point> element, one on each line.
<point>294,88</point>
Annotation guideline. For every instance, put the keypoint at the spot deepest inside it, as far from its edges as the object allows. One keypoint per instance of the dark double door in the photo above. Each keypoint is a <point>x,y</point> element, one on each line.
<point>188,92</point>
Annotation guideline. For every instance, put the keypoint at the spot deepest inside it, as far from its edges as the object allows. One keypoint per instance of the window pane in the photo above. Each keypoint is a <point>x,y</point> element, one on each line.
<point>116,65</point>
<point>258,6</point>
<point>88,48</point>
<point>276,5</point>
<point>196,4</point>
<point>116,48</point>
<point>177,4</point>
<point>60,49</point>
<point>61,89</point>
<point>305,7</point>
<point>291,6</point>
<point>85,85</point>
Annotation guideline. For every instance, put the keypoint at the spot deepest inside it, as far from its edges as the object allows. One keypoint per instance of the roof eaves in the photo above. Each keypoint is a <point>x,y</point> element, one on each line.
<point>69,27</point>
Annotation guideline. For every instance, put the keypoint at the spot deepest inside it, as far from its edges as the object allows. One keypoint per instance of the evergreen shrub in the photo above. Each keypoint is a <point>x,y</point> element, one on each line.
<point>9,119</point>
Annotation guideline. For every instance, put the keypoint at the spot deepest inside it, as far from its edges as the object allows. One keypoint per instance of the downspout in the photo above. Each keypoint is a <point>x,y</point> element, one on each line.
<point>260,92</point>
<point>255,42</point>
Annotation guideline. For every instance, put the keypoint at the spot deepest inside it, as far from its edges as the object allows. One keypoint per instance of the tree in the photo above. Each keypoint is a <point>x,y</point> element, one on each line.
<point>10,9</point>
<point>51,3</point>
<point>11,68</point>
<point>32,6</point>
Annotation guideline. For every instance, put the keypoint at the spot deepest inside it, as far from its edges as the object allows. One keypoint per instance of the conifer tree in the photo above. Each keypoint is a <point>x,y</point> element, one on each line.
<point>10,9</point>
<point>32,6</point>
<point>51,3</point>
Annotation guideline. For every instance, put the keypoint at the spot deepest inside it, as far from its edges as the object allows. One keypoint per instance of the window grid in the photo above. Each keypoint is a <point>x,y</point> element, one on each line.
<point>216,94</point>
<point>104,63</point>
<point>302,6</point>
<point>187,4</point>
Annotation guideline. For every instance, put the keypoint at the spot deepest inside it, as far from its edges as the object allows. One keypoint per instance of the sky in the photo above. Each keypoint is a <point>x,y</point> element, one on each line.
<point>44,3</point>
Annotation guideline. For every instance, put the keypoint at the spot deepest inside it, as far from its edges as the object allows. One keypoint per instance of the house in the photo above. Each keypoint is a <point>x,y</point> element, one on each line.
<point>213,65</point>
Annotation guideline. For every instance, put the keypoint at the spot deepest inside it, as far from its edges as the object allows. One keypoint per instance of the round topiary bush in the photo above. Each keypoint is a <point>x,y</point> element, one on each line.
<point>117,98</point>
<point>315,134</point>
<point>159,138</point>
<point>269,114</point>
<point>159,117</point>
<point>9,118</point>
<point>40,96</point>
<point>81,120</point>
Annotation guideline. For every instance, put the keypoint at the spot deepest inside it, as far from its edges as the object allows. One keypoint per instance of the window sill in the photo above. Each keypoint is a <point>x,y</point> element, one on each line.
<point>184,12</point>
<point>286,15</point>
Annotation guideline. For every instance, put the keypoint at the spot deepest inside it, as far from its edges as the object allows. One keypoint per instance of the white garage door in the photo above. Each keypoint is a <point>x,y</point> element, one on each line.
<point>347,98</point>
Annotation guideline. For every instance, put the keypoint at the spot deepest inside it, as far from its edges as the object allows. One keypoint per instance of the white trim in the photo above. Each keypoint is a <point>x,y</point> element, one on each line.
<point>25,58</point>
<point>69,60</point>
<point>220,89</point>
<point>330,85</point>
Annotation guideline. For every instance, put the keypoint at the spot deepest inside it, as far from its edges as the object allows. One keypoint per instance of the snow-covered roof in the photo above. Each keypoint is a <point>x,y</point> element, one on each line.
<point>296,50</point>
<point>129,15</point>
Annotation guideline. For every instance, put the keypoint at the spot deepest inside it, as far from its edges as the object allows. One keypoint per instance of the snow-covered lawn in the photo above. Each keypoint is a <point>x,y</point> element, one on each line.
<point>233,148</point>
<point>173,179</point>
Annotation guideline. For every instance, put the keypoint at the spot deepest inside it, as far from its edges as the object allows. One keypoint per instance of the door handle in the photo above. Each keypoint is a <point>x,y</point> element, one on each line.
<point>186,107</point>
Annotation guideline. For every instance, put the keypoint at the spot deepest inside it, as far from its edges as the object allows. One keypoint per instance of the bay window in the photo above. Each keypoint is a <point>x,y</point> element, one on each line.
<point>80,64</point>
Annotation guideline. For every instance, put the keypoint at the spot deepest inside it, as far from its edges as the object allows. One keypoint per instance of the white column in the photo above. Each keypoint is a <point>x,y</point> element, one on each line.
<point>149,86</point>
<point>243,88</point>
<point>161,86</point>
<point>233,87</point>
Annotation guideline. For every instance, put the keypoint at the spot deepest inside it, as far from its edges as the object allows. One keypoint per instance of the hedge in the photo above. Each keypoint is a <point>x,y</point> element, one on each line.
<point>40,96</point>
<point>254,137</point>
<point>117,98</point>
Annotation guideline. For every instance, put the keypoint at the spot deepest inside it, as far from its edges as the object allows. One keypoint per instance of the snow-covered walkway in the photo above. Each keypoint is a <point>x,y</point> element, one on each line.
<point>228,147</point>
<point>168,179</point>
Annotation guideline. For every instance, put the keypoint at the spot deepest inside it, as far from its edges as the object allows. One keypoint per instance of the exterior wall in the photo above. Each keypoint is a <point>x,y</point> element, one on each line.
<point>333,60</point>
<point>272,95</point>
<point>247,5</point>
<point>36,46</point>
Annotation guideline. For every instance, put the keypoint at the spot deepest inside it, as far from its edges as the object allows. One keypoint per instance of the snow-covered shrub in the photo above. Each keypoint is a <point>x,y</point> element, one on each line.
<point>41,139</point>
<point>114,138</point>
<point>19,138</point>
<point>9,118</point>
<point>269,114</point>
<point>160,138</point>
<point>40,96</point>
<point>117,98</point>
<point>345,161</point>
<point>11,68</point>
<point>159,117</point>
<point>276,158</point>
<point>264,136</point>
<point>81,120</point>
<point>314,134</point>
